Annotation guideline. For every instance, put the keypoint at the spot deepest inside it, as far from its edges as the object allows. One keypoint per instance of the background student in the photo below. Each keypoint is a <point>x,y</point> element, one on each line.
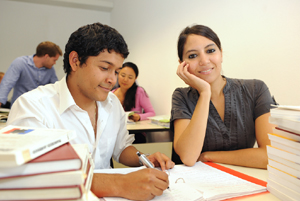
<point>28,72</point>
<point>82,101</point>
<point>132,96</point>
<point>216,118</point>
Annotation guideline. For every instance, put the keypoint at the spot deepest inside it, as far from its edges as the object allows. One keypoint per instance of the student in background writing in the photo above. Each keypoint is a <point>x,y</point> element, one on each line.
<point>217,118</point>
<point>82,101</point>
<point>131,96</point>
<point>28,72</point>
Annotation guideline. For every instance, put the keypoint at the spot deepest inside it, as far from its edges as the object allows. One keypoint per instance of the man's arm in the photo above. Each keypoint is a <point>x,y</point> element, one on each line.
<point>9,80</point>
<point>144,184</point>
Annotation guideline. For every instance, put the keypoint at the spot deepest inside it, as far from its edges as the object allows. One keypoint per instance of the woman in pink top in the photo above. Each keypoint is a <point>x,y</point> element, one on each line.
<point>131,96</point>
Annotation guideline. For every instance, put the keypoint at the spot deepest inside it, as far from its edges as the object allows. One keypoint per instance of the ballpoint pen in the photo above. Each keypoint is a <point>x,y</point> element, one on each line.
<point>144,160</point>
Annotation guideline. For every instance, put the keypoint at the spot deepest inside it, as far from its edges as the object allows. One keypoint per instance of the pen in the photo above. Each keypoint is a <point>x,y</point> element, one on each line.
<point>144,160</point>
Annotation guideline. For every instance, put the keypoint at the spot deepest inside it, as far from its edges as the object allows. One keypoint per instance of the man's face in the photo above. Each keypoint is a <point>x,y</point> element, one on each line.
<point>97,76</point>
<point>50,61</point>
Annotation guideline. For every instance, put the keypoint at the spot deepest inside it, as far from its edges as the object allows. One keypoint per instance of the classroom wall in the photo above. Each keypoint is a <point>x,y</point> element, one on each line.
<point>260,40</point>
<point>24,25</point>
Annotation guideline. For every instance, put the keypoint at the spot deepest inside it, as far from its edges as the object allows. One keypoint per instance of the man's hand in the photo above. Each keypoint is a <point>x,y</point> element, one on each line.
<point>144,184</point>
<point>161,160</point>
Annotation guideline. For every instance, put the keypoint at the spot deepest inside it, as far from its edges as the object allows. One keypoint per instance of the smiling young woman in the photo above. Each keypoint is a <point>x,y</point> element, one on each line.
<point>132,96</point>
<point>216,118</point>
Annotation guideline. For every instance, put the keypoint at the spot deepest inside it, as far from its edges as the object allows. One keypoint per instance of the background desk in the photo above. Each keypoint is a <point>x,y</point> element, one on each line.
<point>154,133</point>
<point>144,126</point>
<point>2,125</point>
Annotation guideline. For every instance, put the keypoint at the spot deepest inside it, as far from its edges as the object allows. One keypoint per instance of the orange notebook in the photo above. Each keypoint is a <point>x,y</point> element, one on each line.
<point>240,175</point>
<point>62,158</point>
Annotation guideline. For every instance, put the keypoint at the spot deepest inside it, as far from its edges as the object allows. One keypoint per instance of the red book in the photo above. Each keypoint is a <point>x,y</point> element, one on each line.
<point>64,185</point>
<point>63,158</point>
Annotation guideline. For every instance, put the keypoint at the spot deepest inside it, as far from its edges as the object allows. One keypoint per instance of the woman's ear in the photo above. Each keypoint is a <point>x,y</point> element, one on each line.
<point>179,61</point>
<point>73,60</point>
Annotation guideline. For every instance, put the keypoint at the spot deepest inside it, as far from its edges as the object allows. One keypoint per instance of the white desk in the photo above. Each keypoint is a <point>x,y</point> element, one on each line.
<point>144,126</point>
<point>154,132</point>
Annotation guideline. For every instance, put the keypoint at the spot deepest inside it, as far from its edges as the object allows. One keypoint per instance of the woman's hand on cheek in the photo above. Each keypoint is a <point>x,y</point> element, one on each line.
<point>190,79</point>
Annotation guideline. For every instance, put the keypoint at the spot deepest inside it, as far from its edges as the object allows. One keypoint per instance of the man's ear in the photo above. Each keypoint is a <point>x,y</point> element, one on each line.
<point>46,56</point>
<point>74,61</point>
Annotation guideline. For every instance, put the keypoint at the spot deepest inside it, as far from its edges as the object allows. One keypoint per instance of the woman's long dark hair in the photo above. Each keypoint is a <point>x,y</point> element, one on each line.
<point>129,100</point>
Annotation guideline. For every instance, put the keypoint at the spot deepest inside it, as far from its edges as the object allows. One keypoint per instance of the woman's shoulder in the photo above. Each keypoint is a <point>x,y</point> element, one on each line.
<point>140,90</point>
<point>248,83</point>
<point>184,90</point>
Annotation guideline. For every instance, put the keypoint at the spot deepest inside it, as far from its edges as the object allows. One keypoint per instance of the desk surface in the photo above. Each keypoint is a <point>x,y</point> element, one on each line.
<point>146,125</point>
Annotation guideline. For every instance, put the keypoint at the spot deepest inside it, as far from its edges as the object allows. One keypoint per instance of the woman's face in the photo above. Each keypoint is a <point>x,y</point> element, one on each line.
<point>126,78</point>
<point>203,56</point>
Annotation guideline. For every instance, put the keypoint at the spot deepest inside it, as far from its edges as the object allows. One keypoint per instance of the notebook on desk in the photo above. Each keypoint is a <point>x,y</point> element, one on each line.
<point>204,181</point>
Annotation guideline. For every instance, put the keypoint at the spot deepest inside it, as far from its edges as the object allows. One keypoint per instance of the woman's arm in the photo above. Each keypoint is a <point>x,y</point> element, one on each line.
<point>145,103</point>
<point>189,134</point>
<point>251,157</point>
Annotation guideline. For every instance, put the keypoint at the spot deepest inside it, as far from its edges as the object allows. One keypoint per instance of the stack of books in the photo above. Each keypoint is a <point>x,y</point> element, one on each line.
<point>41,164</point>
<point>284,153</point>
<point>161,120</point>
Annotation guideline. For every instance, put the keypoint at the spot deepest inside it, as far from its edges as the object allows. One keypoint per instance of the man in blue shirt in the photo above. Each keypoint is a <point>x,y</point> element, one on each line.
<point>28,72</point>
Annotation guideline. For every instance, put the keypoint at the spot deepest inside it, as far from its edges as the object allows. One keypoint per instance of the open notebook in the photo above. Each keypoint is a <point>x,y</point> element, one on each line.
<point>200,182</point>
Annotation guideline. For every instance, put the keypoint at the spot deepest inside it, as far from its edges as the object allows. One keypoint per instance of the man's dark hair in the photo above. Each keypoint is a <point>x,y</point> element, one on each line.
<point>90,40</point>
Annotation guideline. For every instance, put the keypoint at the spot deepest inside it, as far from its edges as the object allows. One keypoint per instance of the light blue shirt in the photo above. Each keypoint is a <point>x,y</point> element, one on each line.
<point>23,76</point>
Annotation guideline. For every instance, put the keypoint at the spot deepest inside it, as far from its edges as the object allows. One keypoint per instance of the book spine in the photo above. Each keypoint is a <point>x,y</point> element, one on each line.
<point>37,150</point>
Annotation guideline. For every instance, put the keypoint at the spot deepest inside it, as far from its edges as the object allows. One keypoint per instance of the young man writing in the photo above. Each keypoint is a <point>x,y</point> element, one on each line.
<point>82,101</point>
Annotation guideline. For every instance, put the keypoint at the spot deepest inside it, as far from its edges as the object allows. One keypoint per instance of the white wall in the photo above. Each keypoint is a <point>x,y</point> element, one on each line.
<point>24,25</point>
<point>260,39</point>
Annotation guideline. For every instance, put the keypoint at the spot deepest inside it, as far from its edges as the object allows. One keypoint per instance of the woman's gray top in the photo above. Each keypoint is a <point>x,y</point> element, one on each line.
<point>245,100</point>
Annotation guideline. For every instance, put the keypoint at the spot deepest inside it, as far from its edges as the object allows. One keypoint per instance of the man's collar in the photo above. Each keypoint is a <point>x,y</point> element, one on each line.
<point>65,97</point>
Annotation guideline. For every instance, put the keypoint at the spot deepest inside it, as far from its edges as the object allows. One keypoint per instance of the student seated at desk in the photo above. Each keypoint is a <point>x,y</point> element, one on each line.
<point>82,101</point>
<point>132,96</point>
<point>216,118</point>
